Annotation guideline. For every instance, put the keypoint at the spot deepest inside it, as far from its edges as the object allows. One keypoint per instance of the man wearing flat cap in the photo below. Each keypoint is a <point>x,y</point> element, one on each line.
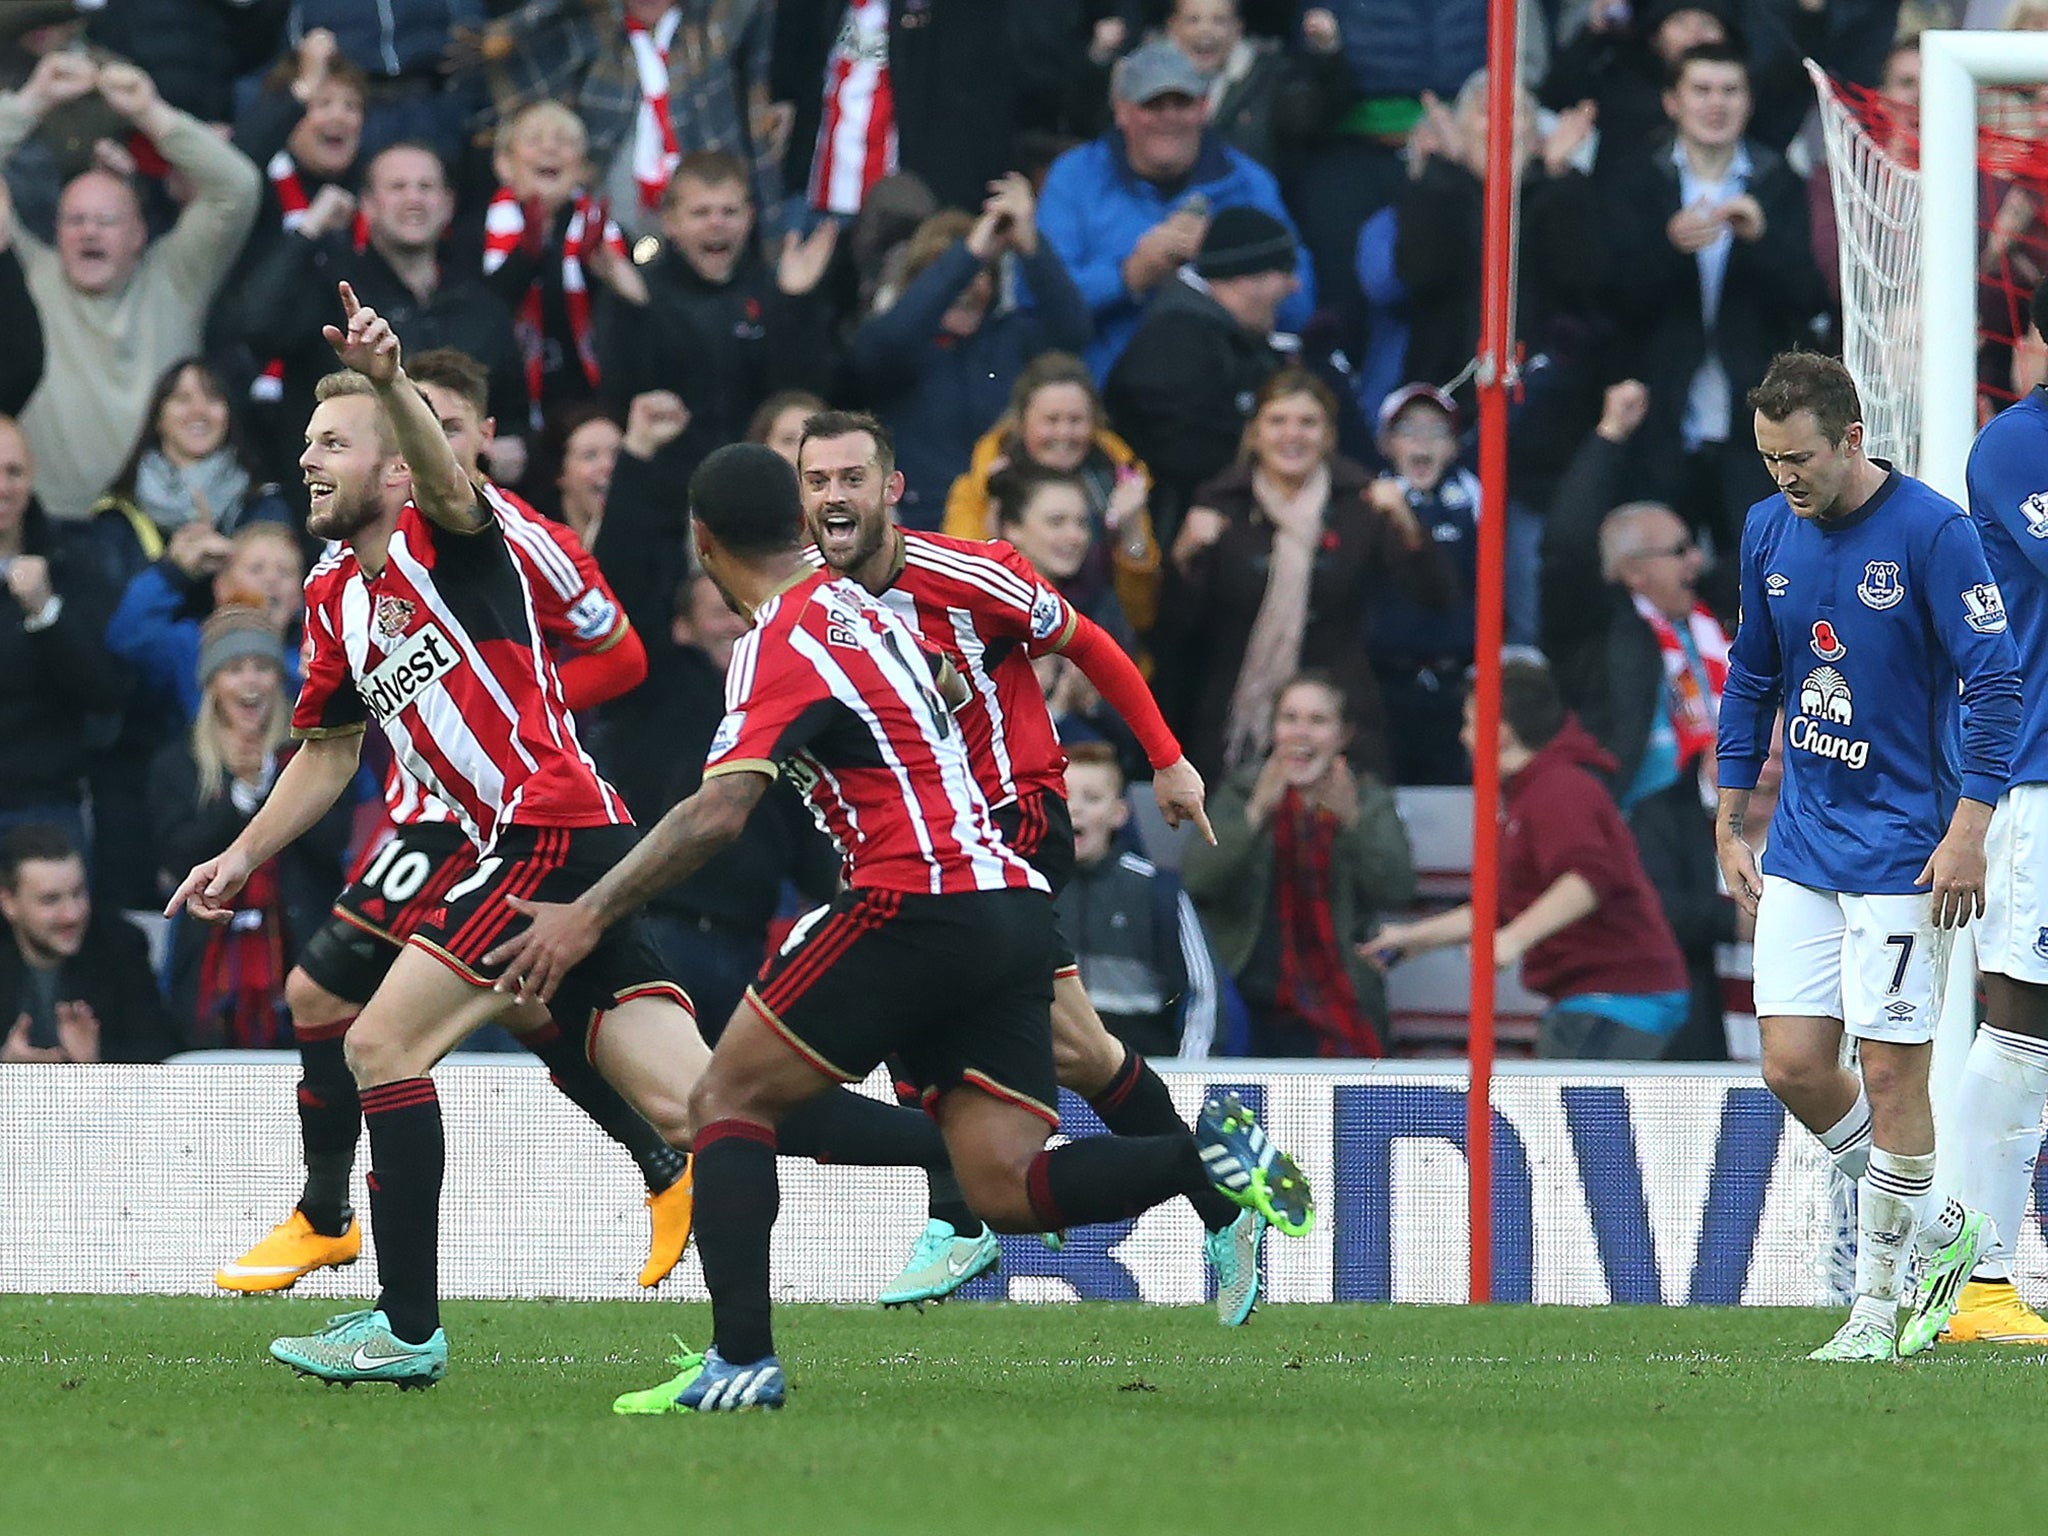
<point>1129,210</point>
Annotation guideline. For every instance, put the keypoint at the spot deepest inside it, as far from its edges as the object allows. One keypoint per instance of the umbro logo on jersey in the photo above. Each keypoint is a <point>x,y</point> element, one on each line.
<point>1826,644</point>
<point>408,672</point>
<point>2035,510</point>
<point>1776,583</point>
<point>1984,608</point>
<point>393,615</point>
<point>1880,587</point>
<point>1900,1011</point>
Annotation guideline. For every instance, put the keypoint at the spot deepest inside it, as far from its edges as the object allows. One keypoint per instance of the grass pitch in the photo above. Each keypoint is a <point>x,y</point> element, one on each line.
<point>157,1417</point>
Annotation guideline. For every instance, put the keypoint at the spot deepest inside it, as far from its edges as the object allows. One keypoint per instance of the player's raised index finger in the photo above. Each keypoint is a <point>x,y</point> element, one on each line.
<point>349,305</point>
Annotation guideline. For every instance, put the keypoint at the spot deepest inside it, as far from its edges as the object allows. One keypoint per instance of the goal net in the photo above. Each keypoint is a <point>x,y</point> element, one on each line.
<point>1874,171</point>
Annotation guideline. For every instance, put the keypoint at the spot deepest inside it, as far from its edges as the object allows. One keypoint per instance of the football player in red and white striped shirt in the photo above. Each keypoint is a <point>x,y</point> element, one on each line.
<point>983,607</point>
<point>425,618</point>
<point>939,953</point>
<point>598,657</point>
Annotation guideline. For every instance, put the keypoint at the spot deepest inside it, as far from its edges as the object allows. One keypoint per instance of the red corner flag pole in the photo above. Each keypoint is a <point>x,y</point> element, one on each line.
<point>1496,344</point>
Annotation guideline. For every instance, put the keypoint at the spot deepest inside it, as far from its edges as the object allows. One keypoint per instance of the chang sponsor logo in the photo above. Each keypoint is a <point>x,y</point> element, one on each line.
<point>408,672</point>
<point>1825,700</point>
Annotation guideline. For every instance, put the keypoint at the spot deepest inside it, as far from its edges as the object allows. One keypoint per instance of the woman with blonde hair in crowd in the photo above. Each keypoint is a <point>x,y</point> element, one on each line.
<point>779,423</point>
<point>1273,572</point>
<point>227,983</point>
<point>1055,422</point>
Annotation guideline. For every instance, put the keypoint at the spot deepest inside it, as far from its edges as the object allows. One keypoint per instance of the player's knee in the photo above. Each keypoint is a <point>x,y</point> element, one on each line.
<point>710,1101</point>
<point>997,1189</point>
<point>372,1057</point>
<point>1084,1053</point>
<point>312,1005</point>
<point>1795,1074</point>
<point>668,1113</point>
<point>1892,1076</point>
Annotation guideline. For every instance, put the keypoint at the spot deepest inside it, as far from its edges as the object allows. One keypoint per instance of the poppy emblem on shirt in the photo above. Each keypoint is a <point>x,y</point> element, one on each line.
<point>393,614</point>
<point>1329,541</point>
<point>1826,644</point>
<point>1880,587</point>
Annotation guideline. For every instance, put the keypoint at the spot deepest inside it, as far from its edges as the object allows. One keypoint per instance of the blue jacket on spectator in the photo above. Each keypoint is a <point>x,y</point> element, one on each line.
<point>938,392</point>
<point>1406,47</point>
<point>1093,210</point>
<point>155,630</point>
<point>389,39</point>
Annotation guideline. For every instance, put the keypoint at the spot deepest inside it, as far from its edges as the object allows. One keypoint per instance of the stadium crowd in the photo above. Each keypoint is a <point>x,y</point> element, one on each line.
<point>1180,297</point>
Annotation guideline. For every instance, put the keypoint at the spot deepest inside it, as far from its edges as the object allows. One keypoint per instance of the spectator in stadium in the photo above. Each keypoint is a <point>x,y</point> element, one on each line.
<point>982,295</point>
<point>1143,955</point>
<point>709,63</point>
<point>1055,422</point>
<point>721,328</point>
<point>1274,572</point>
<point>1636,653</point>
<point>1713,275</point>
<point>1127,211</point>
<point>195,50</point>
<point>75,988</point>
<point>156,628</point>
<point>396,269</point>
<point>545,241</point>
<point>188,466</point>
<point>304,126</point>
<point>1044,513</point>
<point>779,423</point>
<point>1577,912</point>
<point>945,84</point>
<point>400,45</point>
<point>54,673</point>
<point>21,360</point>
<point>1179,392</point>
<point>227,983</point>
<point>1308,855</point>
<point>116,309</point>
<point>590,449</point>
<point>1420,651</point>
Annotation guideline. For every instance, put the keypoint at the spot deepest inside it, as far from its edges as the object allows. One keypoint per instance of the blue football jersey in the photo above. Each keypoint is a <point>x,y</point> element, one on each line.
<point>2009,504</point>
<point>1863,628</point>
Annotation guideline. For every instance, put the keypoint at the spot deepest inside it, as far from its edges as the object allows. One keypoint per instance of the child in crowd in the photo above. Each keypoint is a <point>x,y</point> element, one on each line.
<point>1420,653</point>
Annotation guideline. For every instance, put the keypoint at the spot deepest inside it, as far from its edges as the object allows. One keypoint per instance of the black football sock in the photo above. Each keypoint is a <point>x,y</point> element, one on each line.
<point>737,1202</point>
<point>1136,1103</point>
<point>405,1202</point>
<point>949,1204</point>
<point>841,1126</point>
<point>660,1164</point>
<point>1109,1178</point>
<point>330,1121</point>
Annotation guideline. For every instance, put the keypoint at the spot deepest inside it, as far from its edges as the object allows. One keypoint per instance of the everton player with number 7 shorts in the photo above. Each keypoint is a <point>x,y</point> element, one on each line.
<point>1866,601</point>
<point>939,952</point>
<point>424,617</point>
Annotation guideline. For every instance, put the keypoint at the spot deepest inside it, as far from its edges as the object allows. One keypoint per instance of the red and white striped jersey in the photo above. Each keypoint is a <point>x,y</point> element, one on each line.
<point>834,690</point>
<point>443,647</point>
<point>983,607</point>
<point>857,137</point>
<point>577,610</point>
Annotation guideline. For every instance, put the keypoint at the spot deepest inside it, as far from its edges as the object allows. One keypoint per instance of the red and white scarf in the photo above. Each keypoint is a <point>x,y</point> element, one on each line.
<point>655,151</point>
<point>1694,714</point>
<point>505,231</point>
<point>292,201</point>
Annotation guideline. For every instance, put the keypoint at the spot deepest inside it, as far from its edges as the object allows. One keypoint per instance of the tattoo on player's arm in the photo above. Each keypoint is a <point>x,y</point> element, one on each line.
<point>679,844</point>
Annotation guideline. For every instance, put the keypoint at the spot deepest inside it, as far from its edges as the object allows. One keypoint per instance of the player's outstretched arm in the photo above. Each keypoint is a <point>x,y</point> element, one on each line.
<point>675,847</point>
<point>440,488</point>
<point>307,788</point>
<point>1175,783</point>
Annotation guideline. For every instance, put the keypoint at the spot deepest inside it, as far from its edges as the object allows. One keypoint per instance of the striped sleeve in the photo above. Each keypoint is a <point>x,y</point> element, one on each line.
<point>328,703</point>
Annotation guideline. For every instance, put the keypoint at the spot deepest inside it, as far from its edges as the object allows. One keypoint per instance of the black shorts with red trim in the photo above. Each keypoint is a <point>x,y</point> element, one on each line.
<point>350,954</point>
<point>958,989</point>
<point>546,864</point>
<point>1039,829</point>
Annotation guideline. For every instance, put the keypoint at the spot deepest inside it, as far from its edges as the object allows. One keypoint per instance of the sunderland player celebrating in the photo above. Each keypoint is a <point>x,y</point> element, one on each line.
<point>940,952</point>
<point>341,966</point>
<point>1997,1110</point>
<point>424,618</point>
<point>985,609</point>
<point>1865,599</point>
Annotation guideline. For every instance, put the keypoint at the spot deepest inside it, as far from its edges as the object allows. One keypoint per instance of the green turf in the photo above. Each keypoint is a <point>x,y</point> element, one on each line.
<point>153,1416</point>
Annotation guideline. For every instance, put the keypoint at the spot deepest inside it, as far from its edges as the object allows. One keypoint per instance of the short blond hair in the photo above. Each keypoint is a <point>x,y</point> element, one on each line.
<point>344,382</point>
<point>551,113</point>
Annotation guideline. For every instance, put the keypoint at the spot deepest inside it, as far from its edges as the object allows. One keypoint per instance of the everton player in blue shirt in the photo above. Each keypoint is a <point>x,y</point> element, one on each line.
<point>1998,1105</point>
<point>1865,601</point>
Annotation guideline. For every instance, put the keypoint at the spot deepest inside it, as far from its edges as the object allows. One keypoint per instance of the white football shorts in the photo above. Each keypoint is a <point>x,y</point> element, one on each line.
<point>1877,963</point>
<point>2013,937</point>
